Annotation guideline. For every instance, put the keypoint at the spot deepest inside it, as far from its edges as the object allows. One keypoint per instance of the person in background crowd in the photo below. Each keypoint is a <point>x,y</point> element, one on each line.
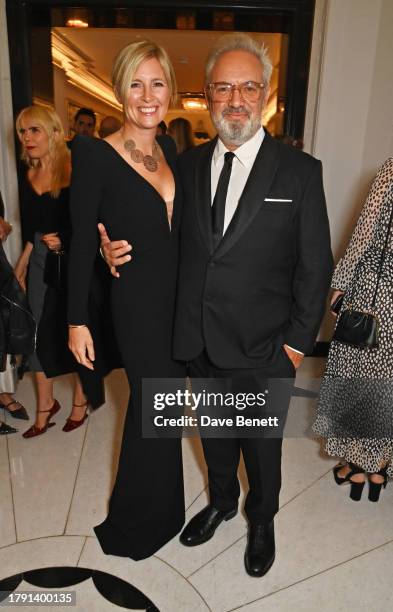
<point>181,131</point>
<point>355,407</point>
<point>161,129</point>
<point>109,125</point>
<point>84,124</point>
<point>7,379</point>
<point>255,266</point>
<point>45,218</point>
<point>129,181</point>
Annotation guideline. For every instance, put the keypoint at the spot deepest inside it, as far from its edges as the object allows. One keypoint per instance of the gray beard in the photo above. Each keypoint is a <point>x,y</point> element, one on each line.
<point>234,132</point>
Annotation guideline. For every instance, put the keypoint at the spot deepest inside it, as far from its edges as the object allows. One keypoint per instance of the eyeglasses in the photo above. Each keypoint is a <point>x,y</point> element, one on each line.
<point>221,92</point>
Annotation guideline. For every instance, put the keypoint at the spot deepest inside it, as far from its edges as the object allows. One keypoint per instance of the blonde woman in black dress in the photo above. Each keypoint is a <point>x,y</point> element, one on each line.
<point>129,182</point>
<point>46,226</point>
<point>355,410</point>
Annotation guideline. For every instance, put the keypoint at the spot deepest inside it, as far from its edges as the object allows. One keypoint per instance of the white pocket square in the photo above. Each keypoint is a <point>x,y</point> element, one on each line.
<point>277,200</point>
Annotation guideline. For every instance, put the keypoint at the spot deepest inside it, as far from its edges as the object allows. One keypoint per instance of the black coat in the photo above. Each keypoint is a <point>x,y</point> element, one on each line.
<point>267,282</point>
<point>17,324</point>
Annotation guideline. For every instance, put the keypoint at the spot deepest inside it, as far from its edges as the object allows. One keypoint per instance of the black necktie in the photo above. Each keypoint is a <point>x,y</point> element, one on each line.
<point>218,207</point>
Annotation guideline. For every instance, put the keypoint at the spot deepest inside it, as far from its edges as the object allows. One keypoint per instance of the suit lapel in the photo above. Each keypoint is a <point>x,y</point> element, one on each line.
<point>202,191</point>
<point>256,189</point>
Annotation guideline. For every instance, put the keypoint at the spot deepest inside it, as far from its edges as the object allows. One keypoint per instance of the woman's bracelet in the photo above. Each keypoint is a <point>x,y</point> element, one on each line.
<point>76,326</point>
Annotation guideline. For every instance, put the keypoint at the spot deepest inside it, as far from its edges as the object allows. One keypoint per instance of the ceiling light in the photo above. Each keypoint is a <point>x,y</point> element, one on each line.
<point>193,104</point>
<point>77,23</point>
<point>77,18</point>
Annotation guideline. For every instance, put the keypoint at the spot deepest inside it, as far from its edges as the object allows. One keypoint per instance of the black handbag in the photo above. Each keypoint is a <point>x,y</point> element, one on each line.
<point>360,328</point>
<point>357,328</point>
<point>55,272</point>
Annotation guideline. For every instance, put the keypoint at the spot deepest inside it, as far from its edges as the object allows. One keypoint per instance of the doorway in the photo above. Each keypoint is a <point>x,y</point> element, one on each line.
<point>62,54</point>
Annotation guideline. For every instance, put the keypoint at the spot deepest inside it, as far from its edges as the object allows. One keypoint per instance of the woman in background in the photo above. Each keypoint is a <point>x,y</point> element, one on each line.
<point>45,220</point>
<point>181,131</point>
<point>355,410</point>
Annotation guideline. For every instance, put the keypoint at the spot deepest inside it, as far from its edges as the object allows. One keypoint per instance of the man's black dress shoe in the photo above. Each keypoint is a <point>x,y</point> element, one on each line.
<point>260,550</point>
<point>204,524</point>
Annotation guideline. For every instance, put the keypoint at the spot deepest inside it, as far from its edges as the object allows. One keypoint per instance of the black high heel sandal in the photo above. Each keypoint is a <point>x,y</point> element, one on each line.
<point>375,487</point>
<point>338,479</point>
<point>356,487</point>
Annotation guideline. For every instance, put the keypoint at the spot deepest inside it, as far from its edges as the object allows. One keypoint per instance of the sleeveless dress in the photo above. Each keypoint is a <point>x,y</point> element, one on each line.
<point>43,214</point>
<point>146,508</point>
<point>355,408</point>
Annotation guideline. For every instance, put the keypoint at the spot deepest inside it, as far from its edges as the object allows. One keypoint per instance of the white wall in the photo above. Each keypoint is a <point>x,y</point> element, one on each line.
<point>8,178</point>
<point>349,120</point>
<point>354,114</point>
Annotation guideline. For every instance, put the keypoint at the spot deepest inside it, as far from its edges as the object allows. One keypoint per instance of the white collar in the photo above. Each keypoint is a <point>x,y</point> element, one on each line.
<point>246,153</point>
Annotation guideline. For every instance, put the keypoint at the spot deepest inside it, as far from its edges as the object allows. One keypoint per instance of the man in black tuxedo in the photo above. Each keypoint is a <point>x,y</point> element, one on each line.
<point>255,269</point>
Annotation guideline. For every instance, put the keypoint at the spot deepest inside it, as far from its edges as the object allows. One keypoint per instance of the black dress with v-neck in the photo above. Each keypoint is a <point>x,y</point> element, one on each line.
<point>147,504</point>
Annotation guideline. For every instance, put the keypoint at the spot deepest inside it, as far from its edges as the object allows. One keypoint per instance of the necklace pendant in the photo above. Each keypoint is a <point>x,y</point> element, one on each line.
<point>150,163</point>
<point>129,145</point>
<point>136,156</point>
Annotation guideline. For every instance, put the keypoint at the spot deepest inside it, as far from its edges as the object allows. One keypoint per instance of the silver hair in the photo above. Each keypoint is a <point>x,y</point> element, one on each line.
<point>242,42</point>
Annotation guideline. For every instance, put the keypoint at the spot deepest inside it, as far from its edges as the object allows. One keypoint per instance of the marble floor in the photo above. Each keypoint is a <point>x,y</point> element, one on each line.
<point>333,554</point>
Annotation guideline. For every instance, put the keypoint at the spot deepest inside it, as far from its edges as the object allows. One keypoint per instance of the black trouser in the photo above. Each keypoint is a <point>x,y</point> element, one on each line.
<point>262,455</point>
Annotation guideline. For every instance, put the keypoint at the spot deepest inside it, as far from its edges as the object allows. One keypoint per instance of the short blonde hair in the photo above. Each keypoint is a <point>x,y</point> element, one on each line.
<point>128,61</point>
<point>239,42</point>
<point>60,156</point>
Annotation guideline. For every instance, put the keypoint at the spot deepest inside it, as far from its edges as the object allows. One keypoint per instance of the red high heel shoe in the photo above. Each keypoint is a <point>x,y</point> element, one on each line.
<point>37,431</point>
<point>72,424</point>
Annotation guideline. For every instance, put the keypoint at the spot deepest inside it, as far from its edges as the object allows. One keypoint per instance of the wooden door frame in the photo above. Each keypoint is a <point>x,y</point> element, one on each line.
<point>300,14</point>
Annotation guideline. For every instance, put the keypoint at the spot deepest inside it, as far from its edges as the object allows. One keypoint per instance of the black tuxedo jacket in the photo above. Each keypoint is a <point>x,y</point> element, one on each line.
<point>267,281</point>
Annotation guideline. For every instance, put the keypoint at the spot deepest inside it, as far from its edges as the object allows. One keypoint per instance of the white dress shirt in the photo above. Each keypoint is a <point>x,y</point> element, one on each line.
<point>241,167</point>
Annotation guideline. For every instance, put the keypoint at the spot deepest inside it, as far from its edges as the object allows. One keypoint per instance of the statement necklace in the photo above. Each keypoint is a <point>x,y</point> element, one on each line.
<point>149,161</point>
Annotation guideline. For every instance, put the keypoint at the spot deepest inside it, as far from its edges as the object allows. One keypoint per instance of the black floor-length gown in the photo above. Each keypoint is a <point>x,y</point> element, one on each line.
<point>147,504</point>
